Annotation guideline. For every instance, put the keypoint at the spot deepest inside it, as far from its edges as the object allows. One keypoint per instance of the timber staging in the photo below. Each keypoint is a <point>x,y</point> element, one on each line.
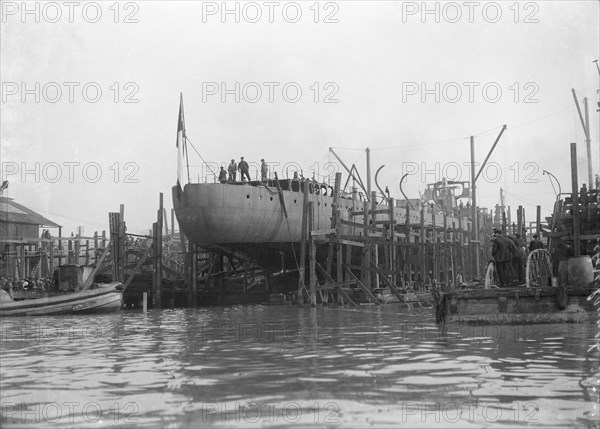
<point>517,305</point>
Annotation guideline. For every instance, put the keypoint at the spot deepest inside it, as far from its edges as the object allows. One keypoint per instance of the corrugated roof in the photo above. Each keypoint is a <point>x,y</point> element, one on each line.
<point>13,212</point>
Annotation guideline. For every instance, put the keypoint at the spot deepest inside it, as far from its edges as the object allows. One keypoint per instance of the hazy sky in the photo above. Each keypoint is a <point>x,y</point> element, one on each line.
<point>409,83</point>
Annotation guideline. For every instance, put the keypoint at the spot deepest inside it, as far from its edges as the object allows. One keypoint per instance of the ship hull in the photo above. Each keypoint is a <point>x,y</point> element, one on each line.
<point>249,219</point>
<point>228,214</point>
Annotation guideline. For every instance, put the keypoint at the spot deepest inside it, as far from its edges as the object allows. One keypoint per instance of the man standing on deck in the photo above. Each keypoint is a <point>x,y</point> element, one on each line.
<point>243,167</point>
<point>222,175</point>
<point>264,171</point>
<point>232,170</point>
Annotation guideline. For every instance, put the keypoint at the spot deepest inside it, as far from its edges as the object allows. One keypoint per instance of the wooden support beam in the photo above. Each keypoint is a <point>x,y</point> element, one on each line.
<point>454,253</point>
<point>445,251</point>
<point>375,248</point>
<point>435,248</point>
<point>392,287</point>
<point>122,254</point>
<point>335,221</point>
<point>173,224</point>
<point>154,263</point>
<point>159,255</point>
<point>194,272</point>
<point>60,246</point>
<point>96,256</point>
<point>303,234</point>
<point>422,265</point>
<point>113,222</point>
<point>360,284</point>
<point>88,282</point>
<point>338,285</point>
<point>366,255</point>
<point>137,267</point>
<point>392,248</point>
<point>312,256</point>
<point>575,200</point>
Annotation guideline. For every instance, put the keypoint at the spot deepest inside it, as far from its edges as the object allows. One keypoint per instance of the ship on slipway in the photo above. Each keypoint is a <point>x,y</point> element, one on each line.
<point>261,221</point>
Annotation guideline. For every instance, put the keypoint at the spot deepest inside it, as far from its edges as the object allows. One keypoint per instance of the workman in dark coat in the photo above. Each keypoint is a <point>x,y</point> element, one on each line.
<point>243,167</point>
<point>536,243</point>
<point>503,251</point>
<point>222,175</point>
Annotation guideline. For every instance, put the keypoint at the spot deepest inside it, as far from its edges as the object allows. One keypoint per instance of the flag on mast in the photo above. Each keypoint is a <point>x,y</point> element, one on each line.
<point>180,144</point>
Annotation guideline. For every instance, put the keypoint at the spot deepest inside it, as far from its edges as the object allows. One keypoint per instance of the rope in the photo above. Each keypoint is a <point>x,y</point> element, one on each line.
<point>198,153</point>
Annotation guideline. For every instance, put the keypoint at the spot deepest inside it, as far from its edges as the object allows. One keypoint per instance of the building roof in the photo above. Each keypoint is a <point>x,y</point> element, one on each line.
<point>13,212</point>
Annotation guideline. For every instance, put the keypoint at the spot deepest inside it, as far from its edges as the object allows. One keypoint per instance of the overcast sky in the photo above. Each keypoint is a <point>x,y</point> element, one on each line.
<point>410,85</point>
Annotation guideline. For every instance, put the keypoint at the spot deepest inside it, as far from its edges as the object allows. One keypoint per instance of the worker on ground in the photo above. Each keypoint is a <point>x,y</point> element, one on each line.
<point>232,170</point>
<point>243,168</point>
<point>503,256</point>
<point>536,243</point>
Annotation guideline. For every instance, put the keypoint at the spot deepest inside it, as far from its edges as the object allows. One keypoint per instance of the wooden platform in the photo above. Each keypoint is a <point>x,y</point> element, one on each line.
<point>517,305</point>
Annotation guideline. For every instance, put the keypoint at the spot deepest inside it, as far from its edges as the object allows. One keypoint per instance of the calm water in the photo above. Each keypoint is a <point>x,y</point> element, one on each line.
<point>282,365</point>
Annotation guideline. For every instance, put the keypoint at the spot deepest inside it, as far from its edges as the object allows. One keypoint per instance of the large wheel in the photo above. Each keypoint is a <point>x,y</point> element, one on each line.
<point>539,264</point>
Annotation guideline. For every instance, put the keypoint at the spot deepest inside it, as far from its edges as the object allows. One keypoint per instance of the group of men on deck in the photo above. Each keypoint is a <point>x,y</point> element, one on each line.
<point>510,255</point>
<point>229,175</point>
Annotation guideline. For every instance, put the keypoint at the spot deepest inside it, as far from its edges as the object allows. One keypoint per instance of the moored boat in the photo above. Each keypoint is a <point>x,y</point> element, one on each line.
<point>105,298</point>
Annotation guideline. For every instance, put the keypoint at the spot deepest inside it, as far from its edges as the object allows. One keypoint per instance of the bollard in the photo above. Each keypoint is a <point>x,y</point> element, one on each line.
<point>145,302</point>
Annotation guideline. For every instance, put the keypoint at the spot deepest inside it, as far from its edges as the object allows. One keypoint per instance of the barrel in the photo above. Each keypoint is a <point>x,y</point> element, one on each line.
<point>580,270</point>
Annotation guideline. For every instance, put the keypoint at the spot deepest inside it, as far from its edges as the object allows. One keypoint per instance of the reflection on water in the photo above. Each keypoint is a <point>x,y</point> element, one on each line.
<point>279,365</point>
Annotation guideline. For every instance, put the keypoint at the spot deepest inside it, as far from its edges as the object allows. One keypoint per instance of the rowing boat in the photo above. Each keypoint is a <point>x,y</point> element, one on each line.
<point>104,298</point>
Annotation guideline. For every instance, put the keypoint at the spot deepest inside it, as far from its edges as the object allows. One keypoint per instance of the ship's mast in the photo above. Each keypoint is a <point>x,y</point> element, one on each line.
<point>187,159</point>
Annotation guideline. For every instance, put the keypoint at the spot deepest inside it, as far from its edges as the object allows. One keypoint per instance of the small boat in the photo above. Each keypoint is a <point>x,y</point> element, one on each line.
<point>104,298</point>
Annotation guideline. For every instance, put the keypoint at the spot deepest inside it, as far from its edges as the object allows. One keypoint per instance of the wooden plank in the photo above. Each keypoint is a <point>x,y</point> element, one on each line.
<point>322,232</point>
<point>370,212</point>
<point>386,222</point>
<point>351,243</point>
<point>360,284</point>
<point>361,225</point>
